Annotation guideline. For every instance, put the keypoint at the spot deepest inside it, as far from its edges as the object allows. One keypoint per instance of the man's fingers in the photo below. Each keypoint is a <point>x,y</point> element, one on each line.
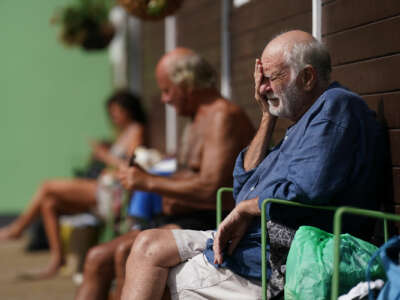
<point>217,247</point>
<point>255,68</point>
<point>257,78</point>
<point>232,246</point>
<point>217,257</point>
<point>257,73</point>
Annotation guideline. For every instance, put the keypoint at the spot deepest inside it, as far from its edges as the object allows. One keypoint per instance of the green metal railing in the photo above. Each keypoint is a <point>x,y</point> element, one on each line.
<point>337,226</point>
<point>108,229</point>
<point>264,233</point>
<point>109,233</point>
<point>339,212</point>
<point>219,202</point>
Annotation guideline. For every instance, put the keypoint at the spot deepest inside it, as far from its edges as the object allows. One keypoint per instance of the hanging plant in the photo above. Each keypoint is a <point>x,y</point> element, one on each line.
<point>85,23</point>
<point>151,9</point>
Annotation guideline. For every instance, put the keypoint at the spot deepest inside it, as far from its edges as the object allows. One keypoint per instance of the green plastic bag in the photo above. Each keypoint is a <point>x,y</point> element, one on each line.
<point>309,265</point>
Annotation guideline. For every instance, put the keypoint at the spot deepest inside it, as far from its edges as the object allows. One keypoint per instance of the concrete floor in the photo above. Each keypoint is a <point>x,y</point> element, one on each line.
<point>14,260</point>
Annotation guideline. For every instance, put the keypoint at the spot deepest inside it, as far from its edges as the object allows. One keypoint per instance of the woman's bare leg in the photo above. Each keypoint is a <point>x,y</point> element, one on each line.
<point>63,197</point>
<point>57,197</point>
<point>50,218</point>
<point>77,194</point>
<point>15,229</point>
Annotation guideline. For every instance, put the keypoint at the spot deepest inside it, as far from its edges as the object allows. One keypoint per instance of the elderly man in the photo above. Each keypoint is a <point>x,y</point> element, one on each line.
<point>331,155</point>
<point>217,132</point>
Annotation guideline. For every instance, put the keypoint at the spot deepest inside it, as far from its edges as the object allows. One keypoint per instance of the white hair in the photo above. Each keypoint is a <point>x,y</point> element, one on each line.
<point>191,70</point>
<point>313,53</point>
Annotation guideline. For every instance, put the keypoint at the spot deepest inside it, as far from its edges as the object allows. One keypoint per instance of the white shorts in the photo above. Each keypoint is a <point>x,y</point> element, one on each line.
<point>195,278</point>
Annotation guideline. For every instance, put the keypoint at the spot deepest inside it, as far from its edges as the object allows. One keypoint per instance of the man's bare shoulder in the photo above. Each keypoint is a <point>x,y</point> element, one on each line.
<point>229,117</point>
<point>225,109</point>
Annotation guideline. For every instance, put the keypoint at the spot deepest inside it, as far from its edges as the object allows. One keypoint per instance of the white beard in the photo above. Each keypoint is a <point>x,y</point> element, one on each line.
<point>290,102</point>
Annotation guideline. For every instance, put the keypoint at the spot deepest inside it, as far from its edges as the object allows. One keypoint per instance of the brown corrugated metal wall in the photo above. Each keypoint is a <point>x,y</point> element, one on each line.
<point>364,41</point>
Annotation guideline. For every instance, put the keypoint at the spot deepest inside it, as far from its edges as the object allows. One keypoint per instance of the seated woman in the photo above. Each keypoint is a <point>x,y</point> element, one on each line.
<point>70,196</point>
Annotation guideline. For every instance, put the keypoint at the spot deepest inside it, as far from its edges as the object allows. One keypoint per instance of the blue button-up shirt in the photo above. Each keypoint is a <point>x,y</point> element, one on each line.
<point>334,155</point>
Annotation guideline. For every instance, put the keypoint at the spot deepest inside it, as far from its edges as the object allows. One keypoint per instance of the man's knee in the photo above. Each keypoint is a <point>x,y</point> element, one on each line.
<point>122,252</point>
<point>146,244</point>
<point>155,247</point>
<point>98,259</point>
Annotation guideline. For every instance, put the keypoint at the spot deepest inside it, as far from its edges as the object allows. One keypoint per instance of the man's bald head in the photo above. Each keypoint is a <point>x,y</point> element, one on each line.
<point>174,55</point>
<point>300,49</point>
<point>289,39</point>
<point>187,69</point>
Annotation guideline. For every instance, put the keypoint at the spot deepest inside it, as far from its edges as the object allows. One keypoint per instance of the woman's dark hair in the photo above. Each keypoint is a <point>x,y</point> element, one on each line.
<point>130,102</point>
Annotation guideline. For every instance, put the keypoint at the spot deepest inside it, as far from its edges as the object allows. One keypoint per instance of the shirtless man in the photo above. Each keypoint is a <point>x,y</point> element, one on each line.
<point>218,131</point>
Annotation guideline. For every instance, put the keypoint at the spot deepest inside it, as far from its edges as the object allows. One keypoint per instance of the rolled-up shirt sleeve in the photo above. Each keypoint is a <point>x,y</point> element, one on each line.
<point>319,167</point>
<point>240,175</point>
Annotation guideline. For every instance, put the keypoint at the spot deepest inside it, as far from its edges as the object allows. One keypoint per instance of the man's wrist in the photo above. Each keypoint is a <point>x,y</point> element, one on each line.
<point>148,183</point>
<point>249,208</point>
<point>268,117</point>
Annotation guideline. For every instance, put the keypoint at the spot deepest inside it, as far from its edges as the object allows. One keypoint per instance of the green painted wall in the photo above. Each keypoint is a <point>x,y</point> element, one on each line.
<point>51,101</point>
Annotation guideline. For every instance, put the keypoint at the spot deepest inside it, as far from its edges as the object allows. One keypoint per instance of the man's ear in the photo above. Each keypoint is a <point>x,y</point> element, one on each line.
<point>308,78</point>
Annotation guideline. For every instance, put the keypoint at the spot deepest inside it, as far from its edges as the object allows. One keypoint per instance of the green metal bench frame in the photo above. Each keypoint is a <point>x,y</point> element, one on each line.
<point>109,233</point>
<point>219,202</point>
<point>264,233</point>
<point>337,225</point>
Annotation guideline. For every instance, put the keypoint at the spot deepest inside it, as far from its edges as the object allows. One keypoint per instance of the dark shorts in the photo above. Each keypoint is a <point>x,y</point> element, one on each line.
<point>200,220</point>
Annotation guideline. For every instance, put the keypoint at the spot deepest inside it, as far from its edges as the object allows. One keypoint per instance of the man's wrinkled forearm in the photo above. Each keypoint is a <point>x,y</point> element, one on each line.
<point>184,189</point>
<point>249,208</point>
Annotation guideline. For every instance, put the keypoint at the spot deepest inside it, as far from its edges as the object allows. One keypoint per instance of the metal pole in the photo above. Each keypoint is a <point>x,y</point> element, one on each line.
<point>316,19</point>
<point>225,50</point>
<point>264,249</point>
<point>170,114</point>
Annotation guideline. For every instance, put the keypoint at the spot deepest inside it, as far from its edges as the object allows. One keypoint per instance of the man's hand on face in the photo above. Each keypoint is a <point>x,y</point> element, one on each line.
<point>133,177</point>
<point>258,80</point>
<point>233,228</point>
